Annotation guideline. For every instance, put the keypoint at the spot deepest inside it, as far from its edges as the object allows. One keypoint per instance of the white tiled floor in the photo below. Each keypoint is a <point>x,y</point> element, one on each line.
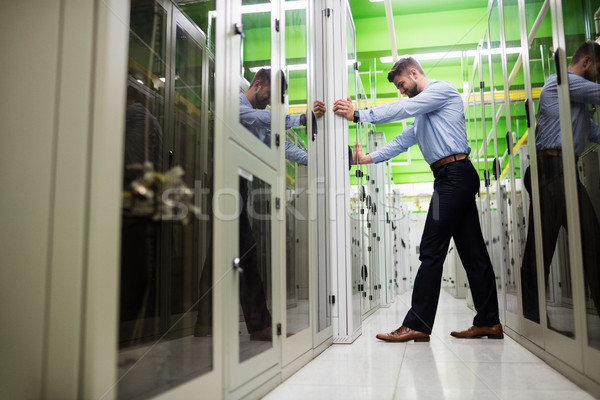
<point>444,368</point>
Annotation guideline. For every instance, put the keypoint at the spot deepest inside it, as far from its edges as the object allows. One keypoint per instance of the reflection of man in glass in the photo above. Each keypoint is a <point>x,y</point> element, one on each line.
<point>584,69</point>
<point>143,143</point>
<point>143,135</point>
<point>252,241</point>
<point>257,119</point>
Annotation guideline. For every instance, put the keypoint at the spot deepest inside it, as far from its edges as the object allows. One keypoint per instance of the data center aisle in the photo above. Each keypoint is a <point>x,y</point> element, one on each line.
<point>444,368</point>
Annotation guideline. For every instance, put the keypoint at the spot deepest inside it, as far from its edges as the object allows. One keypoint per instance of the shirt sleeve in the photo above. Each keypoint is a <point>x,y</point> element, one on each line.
<point>594,135</point>
<point>423,103</point>
<point>398,145</point>
<point>292,120</point>
<point>295,154</point>
<point>584,91</point>
<point>255,120</point>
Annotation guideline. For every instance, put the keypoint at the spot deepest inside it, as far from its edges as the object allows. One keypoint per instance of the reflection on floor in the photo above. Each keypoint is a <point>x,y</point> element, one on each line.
<point>561,319</point>
<point>297,317</point>
<point>154,368</point>
<point>445,368</point>
<point>593,323</point>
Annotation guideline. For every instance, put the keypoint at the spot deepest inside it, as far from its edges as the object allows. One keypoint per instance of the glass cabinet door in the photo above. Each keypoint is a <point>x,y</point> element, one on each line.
<point>297,179</point>
<point>579,28</point>
<point>251,237</point>
<point>582,52</point>
<point>254,263</point>
<point>164,335</point>
<point>256,78</point>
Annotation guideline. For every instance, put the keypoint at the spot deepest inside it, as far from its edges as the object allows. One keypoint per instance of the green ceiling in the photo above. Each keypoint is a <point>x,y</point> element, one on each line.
<point>421,27</point>
<point>425,26</point>
<point>367,9</point>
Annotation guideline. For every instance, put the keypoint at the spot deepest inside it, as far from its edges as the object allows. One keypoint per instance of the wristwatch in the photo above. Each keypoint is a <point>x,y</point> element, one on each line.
<point>356,116</point>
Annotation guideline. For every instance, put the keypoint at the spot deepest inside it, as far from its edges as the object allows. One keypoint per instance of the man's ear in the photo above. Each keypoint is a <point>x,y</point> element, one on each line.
<point>586,62</point>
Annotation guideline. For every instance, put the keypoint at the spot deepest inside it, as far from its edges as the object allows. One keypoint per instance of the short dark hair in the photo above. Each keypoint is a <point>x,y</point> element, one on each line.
<point>403,65</point>
<point>588,48</point>
<point>263,76</point>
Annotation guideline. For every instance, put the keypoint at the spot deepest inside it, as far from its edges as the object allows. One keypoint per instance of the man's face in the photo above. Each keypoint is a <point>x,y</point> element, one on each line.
<point>406,84</point>
<point>263,96</point>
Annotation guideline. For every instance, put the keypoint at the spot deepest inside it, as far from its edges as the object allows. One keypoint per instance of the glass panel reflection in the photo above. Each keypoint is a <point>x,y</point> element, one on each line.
<point>165,230</point>
<point>255,100</point>
<point>494,146</point>
<point>297,315</point>
<point>584,73</point>
<point>255,329</point>
<point>541,67</point>
<point>515,125</point>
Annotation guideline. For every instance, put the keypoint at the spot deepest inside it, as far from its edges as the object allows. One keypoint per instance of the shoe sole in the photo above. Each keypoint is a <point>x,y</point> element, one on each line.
<point>492,336</point>
<point>424,339</point>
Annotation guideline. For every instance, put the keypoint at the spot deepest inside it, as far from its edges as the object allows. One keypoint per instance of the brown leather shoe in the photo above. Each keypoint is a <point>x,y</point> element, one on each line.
<point>474,332</point>
<point>264,335</point>
<point>202,330</point>
<point>403,334</point>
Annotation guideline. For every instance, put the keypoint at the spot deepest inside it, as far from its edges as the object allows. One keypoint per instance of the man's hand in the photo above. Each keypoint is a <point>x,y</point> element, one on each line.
<point>345,108</point>
<point>359,156</point>
<point>318,108</point>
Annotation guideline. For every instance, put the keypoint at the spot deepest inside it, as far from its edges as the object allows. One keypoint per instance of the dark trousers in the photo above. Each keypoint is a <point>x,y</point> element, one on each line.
<point>252,293</point>
<point>453,214</point>
<point>554,215</point>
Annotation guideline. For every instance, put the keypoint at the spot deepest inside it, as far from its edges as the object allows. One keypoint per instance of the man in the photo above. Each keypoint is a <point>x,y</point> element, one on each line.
<point>255,117</point>
<point>583,70</point>
<point>143,144</point>
<point>439,129</point>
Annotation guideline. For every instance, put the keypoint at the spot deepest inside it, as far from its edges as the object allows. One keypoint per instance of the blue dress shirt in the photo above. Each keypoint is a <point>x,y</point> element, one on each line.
<point>439,126</point>
<point>259,123</point>
<point>547,130</point>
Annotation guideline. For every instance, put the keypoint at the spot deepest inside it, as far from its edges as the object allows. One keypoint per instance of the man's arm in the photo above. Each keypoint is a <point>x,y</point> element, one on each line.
<point>295,154</point>
<point>398,145</point>
<point>292,120</point>
<point>254,120</point>
<point>583,91</point>
<point>424,102</point>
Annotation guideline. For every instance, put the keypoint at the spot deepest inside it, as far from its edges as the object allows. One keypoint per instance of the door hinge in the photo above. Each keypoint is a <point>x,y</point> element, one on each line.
<point>277,139</point>
<point>278,329</point>
<point>332,299</point>
<point>277,203</point>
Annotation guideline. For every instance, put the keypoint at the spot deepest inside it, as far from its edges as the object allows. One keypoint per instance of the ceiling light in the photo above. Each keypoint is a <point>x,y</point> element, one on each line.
<point>295,67</point>
<point>265,8</point>
<point>449,54</point>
